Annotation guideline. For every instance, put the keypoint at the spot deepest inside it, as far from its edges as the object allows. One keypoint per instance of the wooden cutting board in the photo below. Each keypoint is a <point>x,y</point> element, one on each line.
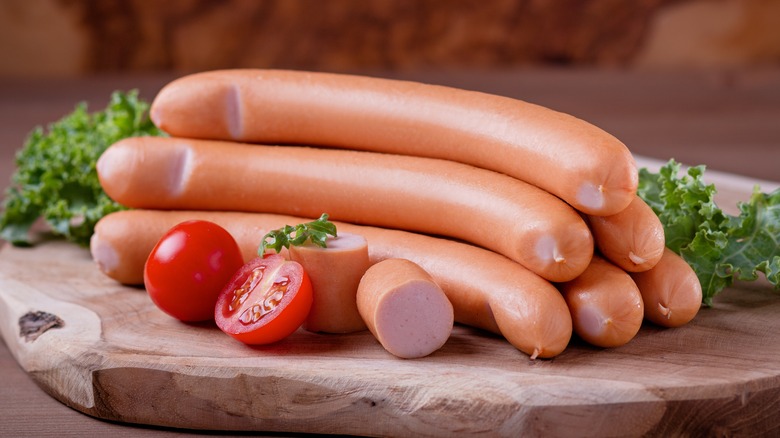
<point>111,354</point>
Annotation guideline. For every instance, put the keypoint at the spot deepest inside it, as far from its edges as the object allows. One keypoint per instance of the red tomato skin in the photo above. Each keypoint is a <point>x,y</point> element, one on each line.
<point>189,266</point>
<point>283,320</point>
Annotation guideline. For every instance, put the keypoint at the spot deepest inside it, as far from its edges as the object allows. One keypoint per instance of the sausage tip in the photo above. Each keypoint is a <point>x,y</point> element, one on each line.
<point>104,254</point>
<point>591,197</point>
<point>665,311</point>
<point>635,258</point>
<point>156,115</point>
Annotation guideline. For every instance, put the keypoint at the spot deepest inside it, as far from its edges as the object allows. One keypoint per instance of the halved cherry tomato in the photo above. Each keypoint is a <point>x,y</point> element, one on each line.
<point>189,266</point>
<point>266,301</point>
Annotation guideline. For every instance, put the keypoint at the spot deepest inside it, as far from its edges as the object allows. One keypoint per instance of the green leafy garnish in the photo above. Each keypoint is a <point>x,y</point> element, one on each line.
<point>316,231</point>
<point>56,177</point>
<point>719,247</point>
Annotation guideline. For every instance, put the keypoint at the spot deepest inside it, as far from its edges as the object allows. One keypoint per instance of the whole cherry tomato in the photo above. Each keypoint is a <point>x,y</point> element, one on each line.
<point>188,268</point>
<point>266,301</point>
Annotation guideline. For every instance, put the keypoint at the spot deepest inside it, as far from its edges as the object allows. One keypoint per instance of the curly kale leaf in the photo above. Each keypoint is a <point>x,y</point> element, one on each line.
<point>719,247</point>
<point>55,175</point>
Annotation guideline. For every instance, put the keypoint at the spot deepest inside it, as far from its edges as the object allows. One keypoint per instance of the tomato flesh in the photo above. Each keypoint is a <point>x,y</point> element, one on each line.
<point>189,266</point>
<point>265,301</point>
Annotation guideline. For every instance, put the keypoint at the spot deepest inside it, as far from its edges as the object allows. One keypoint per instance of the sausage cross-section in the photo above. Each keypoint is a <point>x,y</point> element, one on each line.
<point>405,310</point>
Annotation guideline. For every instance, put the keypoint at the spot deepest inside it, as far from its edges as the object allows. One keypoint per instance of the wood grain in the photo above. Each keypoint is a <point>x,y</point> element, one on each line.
<point>119,358</point>
<point>725,121</point>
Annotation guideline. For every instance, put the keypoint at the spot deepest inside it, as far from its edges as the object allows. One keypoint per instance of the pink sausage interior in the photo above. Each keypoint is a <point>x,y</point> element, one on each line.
<point>414,319</point>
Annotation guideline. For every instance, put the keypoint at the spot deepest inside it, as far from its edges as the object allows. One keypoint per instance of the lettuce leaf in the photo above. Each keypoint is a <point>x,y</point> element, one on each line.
<point>55,175</point>
<point>721,248</point>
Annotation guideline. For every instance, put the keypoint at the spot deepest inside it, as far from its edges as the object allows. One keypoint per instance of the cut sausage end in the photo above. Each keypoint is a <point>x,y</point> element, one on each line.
<point>344,242</point>
<point>414,320</point>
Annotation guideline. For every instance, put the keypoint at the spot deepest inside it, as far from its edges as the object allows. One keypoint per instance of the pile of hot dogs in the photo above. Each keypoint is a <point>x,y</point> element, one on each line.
<point>527,218</point>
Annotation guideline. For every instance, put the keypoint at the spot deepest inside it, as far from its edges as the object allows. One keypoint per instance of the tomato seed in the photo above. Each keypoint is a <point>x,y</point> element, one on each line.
<point>267,303</point>
<point>242,293</point>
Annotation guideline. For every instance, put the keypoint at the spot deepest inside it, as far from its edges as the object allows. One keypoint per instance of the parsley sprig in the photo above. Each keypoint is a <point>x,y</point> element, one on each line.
<point>316,232</point>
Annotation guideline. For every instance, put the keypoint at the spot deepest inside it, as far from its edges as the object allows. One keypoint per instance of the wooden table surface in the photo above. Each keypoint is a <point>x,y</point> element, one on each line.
<point>726,120</point>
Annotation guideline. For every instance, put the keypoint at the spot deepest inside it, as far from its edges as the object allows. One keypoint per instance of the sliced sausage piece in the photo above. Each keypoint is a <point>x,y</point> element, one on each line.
<point>335,272</point>
<point>606,306</point>
<point>424,195</point>
<point>671,291</point>
<point>632,239</point>
<point>577,161</point>
<point>487,290</point>
<point>405,310</point>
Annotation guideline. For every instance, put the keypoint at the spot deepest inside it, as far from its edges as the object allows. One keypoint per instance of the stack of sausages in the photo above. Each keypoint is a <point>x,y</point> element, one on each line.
<point>527,218</point>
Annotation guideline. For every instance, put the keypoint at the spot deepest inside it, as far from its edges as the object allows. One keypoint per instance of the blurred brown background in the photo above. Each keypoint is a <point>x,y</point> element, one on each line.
<point>72,37</point>
<point>694,80</point>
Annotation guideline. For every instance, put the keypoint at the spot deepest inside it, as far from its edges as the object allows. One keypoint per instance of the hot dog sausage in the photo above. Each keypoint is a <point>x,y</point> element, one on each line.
<point>125,263</point>
<point>426,195</point>
<point>487,290</point>
<point>632,239</point>
<point>606,306</point>
<point>671,291</point>
<point>580,163</point>
<point>405,310</point>
<point>335,273</point>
